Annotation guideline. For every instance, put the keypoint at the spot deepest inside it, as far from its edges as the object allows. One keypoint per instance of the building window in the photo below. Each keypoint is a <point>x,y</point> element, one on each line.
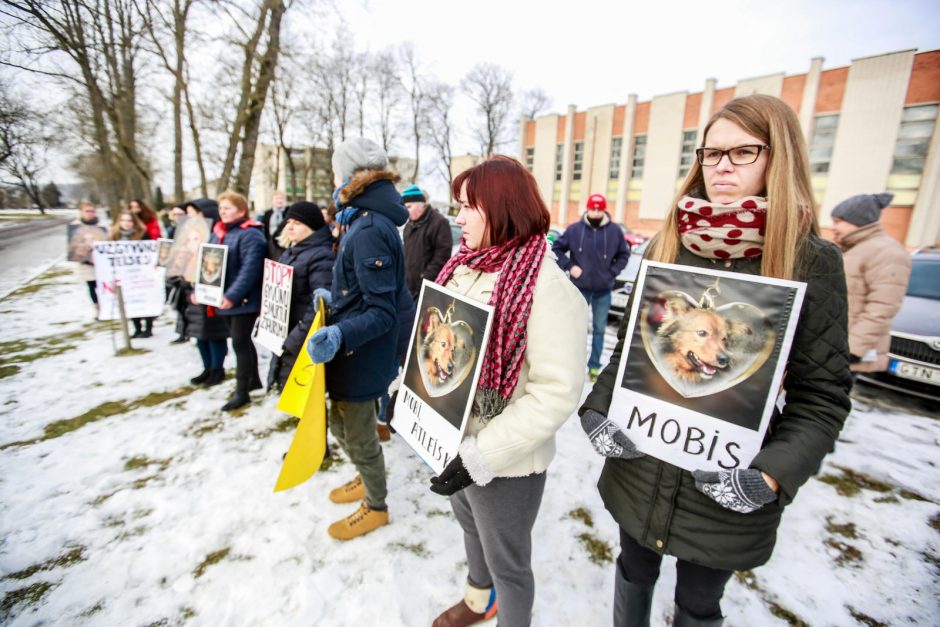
<point>910,153</point>
<point>820,153</point>
<point>616,146</point>
<point>529,158</point>
<point>639,155</point>
<point>688,152</point>
<point>578,161</point>
<point>559,160</point>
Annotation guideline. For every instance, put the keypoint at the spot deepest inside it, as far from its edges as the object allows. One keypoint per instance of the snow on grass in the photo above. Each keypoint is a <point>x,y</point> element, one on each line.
<point>128,498</point>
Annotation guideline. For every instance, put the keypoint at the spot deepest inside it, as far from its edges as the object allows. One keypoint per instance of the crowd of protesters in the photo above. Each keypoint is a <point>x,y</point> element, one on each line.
<point>366,256</point>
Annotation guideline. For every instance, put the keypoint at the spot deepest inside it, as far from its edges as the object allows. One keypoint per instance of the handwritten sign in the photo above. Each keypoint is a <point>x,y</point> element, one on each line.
<point>274,320</point>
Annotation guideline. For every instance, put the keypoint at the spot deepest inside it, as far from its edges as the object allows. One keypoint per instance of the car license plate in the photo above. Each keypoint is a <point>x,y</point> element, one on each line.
<point>618,300</point>
<point>915,372</point>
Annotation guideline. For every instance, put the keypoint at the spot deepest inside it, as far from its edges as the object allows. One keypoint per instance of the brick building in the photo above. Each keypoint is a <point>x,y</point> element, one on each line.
<point>870,127</point>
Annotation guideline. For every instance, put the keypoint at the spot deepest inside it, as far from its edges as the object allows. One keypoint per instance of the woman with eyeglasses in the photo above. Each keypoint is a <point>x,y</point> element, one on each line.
<point>746,206</point>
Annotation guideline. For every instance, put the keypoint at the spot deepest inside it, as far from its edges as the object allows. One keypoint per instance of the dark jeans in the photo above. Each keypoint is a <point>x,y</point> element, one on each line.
<point>143,324</point>
<point>213,353</point>
<point>599,302</point>
<point>246,358</point>
<point>698,588</point>
<point>92,292</point>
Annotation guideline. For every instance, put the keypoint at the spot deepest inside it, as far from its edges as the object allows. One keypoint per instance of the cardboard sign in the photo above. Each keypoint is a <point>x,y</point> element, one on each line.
<point>163,252</point>
<point>210,274</point>
<point>82,239</point>
<point>132,264</point>
<point>444,360</point>
<point>190,234</point>
<point>702,363</point>
<point>274,320</point>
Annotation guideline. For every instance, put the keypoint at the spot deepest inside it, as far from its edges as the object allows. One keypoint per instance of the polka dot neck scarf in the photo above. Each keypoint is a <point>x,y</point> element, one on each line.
<point>717,231</point>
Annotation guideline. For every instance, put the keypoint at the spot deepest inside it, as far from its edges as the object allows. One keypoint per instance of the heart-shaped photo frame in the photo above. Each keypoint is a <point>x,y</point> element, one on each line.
<point>701,349</point>
<point>445,351</point>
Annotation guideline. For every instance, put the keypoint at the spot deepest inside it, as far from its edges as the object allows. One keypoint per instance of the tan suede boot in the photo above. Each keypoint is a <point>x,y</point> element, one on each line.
<point>478,605</point>
<point>359,523</point>
<point>349,492</point>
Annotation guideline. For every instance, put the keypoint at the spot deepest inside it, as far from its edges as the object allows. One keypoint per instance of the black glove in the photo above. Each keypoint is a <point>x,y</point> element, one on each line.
<point>452,479</point>
<point>607,438</point>
<point>741,491</point>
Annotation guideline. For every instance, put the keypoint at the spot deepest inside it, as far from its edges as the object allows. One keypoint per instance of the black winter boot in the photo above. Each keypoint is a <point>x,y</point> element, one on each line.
<point>201,377</point>
<point>137,332</point>
<point>148,328</point>
<point>238,399</point>
<point>684,619</point>
<point>215,377</point>
<point>632,603</point>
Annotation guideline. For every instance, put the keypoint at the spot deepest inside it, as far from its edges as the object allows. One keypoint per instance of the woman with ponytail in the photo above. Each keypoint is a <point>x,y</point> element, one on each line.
<point>531,380</point>
<point>746,206</point>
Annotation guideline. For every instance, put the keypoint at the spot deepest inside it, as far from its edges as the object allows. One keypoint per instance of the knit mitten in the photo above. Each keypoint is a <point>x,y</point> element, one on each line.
<point>607,438</point>
<point>324,344</point>
<point>323,293</point>
<point>741,491</point>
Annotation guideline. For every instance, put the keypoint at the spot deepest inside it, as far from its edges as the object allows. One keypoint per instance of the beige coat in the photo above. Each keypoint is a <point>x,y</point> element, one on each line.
<point>876,272</point>
<point>521,440</point>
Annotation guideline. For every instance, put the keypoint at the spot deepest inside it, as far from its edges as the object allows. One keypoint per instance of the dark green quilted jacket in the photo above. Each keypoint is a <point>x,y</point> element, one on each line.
<point>657,504</point>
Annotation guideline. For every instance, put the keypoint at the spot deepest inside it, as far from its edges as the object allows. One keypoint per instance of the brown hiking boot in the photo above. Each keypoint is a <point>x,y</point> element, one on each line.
<point>350,492</point>
<point>384,434</point>
<point>359,523</point>
<point>477,606</point>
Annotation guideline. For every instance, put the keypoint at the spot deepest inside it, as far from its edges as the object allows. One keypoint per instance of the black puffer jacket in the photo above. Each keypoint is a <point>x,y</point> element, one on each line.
<point>199,324</point>
<point>312,260</point>
<point>428,244</point>
<point>657,504</point>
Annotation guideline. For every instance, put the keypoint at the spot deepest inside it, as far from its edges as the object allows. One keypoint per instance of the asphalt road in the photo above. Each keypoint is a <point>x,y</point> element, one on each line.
<point>27,249</point>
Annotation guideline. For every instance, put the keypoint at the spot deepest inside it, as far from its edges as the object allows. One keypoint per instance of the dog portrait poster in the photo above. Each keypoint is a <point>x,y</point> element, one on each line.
<point>190,234</point>
<point>163,256</point>
<point>702,363</point>
<point>82,239</point>
<point>441,372</point>
<point>210,274</point>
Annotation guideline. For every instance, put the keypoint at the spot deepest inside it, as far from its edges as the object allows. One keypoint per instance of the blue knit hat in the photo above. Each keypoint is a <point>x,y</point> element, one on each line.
<point>413,194</point>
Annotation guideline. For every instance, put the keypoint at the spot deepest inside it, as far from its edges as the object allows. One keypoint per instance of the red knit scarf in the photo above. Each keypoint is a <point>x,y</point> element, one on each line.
<point>723,231</point>
<point>518,267</point>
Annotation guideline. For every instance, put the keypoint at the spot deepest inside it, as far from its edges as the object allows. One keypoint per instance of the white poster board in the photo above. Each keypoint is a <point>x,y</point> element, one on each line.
<point>274,320</point>
<point>132,264</point>
<point>210,274</point>
<point>703,360</point>
<point>445,356</point>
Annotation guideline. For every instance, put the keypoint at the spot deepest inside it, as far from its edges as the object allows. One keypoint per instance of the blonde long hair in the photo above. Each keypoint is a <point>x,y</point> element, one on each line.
<point>791,216</point>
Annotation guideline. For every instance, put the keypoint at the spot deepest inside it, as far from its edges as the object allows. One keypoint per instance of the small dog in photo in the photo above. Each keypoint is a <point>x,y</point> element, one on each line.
<point>437,350</point>
<point>699,343</point>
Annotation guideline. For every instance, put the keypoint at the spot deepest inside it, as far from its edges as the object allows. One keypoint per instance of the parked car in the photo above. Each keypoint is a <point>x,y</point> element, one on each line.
<point>623,284</point>
<point>914,356</point>
<point>552,235</point>
<point>633,238</point>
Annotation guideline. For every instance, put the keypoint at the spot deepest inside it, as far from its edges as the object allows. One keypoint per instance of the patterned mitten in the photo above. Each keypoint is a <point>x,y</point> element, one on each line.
<point>607,438</point>
<point>741,491</point>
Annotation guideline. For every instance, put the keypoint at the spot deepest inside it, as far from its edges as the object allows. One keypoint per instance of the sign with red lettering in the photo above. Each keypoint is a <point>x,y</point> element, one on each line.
<point>702,363</point>
<point>274,320</point>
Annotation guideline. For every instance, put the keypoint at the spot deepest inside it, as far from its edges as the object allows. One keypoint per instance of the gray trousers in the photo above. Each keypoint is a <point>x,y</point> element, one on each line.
<point>497,522</point>
<point>353,426</point>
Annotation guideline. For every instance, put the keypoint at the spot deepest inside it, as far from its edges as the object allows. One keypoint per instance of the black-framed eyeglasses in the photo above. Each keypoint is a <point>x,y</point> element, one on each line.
<point>739,155</point>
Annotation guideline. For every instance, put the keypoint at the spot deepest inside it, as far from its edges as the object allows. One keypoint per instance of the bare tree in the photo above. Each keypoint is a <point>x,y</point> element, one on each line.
<point>412,84</point>
<point>384,69</point>
<point>440,131</point>
<point>256,75</point>
<point>534,102</point>
<point>489,86</point>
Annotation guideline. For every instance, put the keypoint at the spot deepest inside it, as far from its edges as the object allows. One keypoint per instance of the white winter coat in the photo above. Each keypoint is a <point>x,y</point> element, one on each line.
<point>521,440</point>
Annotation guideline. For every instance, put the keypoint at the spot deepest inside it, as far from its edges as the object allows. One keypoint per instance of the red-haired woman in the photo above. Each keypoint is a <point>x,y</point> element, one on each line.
<point>531,381</point>
<point>146,215</point>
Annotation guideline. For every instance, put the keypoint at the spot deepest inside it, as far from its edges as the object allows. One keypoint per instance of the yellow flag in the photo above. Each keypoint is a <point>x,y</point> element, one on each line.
<point>304,396</point>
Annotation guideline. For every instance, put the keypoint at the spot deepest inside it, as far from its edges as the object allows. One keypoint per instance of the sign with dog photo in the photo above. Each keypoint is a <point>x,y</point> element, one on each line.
<point>441,373</point>
<point>703,360</point>
<point>210,274</point>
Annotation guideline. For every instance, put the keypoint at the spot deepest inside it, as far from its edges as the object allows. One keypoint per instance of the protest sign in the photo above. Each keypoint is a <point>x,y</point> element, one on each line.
<point>163,252</point>
<point>81,241</point>
<point>210,274</point>
<point>190,234</point>
<point>444,359</point>
<point>273,321</point>
<point>133,265</point>
<point>702,363</point>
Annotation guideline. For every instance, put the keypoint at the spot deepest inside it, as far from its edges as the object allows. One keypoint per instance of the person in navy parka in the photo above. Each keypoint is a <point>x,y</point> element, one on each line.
<point>241,300</point>
<point>369,304</point>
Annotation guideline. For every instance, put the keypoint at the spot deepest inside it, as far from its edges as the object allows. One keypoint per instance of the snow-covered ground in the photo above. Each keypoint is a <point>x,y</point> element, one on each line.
<point>127,498</point>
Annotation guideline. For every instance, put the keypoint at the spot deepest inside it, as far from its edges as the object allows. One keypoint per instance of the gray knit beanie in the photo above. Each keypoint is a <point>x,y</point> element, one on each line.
<point>358,153</point>
<point>862,209</point>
